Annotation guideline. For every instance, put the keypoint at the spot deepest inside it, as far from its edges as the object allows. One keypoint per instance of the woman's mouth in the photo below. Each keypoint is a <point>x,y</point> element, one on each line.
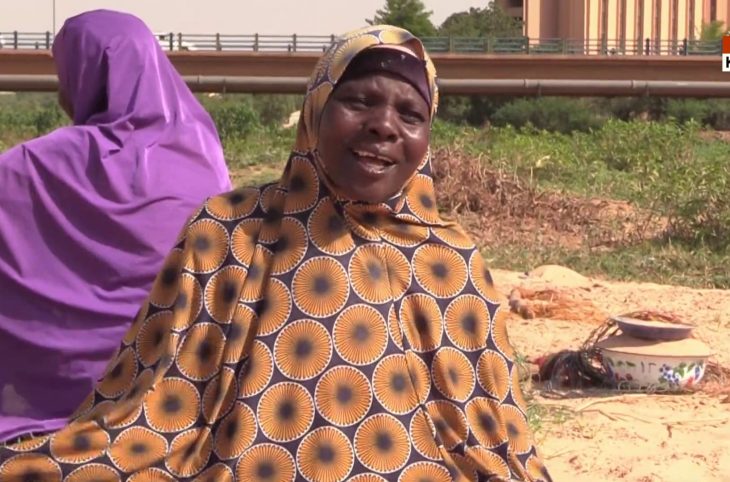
<point>373,163</point>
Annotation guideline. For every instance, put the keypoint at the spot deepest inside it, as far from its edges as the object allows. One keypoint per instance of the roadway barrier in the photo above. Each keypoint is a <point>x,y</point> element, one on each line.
<point>464,74</point>
<point>452,44</point>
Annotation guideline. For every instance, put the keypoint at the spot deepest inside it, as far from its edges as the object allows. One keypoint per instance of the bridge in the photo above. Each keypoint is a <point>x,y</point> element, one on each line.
<point>281,64</point>
<point>443,44</point>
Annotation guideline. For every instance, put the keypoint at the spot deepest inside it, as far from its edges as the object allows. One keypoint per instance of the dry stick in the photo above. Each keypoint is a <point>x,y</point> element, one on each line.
<point>607,415</point>
<point>560,453</point>
<point>611,399</point>
<point>618,416</point>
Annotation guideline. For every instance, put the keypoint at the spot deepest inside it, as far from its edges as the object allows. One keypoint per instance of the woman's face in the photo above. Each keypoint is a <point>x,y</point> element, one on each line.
<point>374,132</point>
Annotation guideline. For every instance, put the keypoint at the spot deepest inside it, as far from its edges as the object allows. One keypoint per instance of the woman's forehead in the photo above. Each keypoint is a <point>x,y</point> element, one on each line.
<point>373,77</point>
<point>401,64</point>
<point>380,83</point>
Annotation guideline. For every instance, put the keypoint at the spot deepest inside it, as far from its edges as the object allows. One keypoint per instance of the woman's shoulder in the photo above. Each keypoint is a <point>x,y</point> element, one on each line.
<point>62,143</point>
<point>240,203</point>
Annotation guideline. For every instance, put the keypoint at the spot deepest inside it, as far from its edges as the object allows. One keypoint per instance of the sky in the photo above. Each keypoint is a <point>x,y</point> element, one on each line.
<point>276,17</point>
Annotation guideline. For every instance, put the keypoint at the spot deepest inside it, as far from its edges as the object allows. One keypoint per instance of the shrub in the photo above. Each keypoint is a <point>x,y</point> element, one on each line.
<point>628,108</point>
<point>233,118</point>
<point>475,110</point>
<point>273,110</point>
<point>694,192</point>
<point>31,115</point>
<point>548,113</point>
<point>663,166</point>
<point>642,147</point>
<point>686,110</point>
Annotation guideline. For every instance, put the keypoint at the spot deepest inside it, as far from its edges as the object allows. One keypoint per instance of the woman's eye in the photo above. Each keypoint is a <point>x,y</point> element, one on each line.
<point>412,117</point>
<point>357,101</point>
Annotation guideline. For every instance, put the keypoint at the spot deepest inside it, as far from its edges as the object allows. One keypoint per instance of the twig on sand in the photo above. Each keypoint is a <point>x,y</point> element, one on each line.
<point>626,416</point>
<point>560,453</point>
<point>612,417</point>
<point>702,421</point>
<point>621,398</point>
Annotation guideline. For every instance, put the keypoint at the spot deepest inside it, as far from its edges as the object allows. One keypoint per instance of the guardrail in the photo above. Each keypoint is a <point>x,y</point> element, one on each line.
<point>465,45</point>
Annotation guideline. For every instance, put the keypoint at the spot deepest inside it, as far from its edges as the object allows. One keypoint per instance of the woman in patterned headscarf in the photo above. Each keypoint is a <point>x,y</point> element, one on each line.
<point>326,327</point>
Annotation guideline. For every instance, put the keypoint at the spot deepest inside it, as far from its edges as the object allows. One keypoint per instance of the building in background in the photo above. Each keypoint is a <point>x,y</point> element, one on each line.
<point>623,25</point>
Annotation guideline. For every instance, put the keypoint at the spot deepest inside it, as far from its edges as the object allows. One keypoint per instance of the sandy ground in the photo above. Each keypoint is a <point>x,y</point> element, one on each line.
<point>604,435</point>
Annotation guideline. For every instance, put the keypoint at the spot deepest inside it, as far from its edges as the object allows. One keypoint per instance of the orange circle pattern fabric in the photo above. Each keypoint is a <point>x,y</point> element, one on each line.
<point>310,338</point>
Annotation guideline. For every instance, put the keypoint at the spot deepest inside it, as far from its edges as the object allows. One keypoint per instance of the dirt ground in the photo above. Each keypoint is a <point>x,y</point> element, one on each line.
<point>595,435</point>
<point>604,435</point>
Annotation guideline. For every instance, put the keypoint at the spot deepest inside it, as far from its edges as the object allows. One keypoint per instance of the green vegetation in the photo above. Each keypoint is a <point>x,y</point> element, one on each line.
<point>412,15</point>
<point>654,155</point>
<point>668,168</point>
<point>713,31</point>
<point>28,115</point>
<point>548,113</point>
<point>408,14</point>
<point>490,21</point>
<point>665,170</point>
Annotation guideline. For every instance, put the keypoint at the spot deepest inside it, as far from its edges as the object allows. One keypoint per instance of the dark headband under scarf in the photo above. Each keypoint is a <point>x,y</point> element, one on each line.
<point>391,60</point>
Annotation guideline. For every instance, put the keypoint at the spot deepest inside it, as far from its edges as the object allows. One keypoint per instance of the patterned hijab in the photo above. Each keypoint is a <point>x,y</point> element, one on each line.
<point>293,335</point>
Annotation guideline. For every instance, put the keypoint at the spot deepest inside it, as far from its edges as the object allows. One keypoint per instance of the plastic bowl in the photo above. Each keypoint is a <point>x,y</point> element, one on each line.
<point>641,363</point>
<point>653,330</point>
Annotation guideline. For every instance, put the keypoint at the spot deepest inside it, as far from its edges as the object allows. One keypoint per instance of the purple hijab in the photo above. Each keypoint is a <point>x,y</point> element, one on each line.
<point>88,212</point>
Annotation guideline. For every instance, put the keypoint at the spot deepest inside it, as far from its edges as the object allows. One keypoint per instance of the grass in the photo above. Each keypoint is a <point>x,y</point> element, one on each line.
<point>650,261</point>
<point>269,147</point>
<point>539,416</point>
<point>258,159</point>
<point>619,161</point>
<point>666,168</point>
<point>663,167</point>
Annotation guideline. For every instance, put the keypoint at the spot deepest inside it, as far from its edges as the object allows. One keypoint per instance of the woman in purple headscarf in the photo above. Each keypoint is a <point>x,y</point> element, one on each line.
<point>88,212</point>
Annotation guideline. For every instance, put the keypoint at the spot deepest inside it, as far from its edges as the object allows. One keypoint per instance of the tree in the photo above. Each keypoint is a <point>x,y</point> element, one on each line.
<point>490,21</point>
<point>408,14</point>
<point>710,38</point>
<point>713,31</point>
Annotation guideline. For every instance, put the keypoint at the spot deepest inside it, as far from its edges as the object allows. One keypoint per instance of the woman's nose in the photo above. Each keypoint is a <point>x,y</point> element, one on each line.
<point>382,124</point>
